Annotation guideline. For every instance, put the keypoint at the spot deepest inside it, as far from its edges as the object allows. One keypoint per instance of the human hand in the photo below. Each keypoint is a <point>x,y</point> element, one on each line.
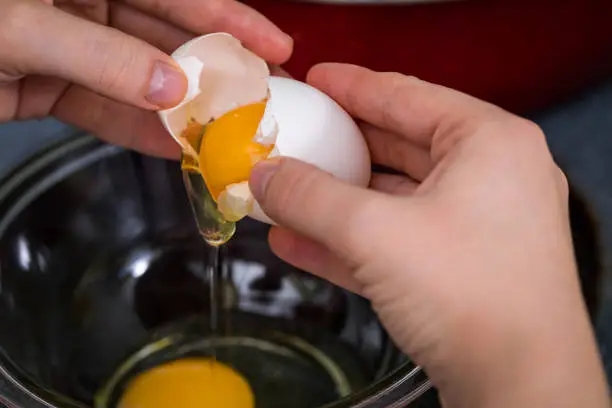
<point>466,255</point>
<point>102,65</point>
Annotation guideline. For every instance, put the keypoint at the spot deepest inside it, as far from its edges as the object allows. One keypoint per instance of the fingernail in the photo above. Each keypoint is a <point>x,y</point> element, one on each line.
<point>261,175</point>
<point>167,87</point>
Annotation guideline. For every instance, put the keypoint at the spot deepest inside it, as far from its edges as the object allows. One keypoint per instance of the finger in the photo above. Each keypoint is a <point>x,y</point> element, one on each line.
<point>44,40</point>
<point>310,256</point>
<point>9,100</point>
<point>398,103</point>
<point>116,123</point>
<point>94,10</point>
<point>257,32</point>
<point>278,71</point>
<point>393,184</point>
<point>397,152</point>
<point>161,34</point>
<point>38,95</point>
<point>314,203</point>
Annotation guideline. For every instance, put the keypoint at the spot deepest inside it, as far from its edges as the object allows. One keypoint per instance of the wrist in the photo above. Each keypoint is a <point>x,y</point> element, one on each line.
<point>547,358</point>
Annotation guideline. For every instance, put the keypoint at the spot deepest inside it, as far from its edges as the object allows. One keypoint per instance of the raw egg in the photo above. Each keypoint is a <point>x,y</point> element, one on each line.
<point>228,151</point>
<point>235,114</point>
<point>189,383</point>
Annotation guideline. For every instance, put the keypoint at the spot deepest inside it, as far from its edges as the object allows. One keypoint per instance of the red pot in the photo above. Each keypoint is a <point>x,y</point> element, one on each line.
<point>521,54</point>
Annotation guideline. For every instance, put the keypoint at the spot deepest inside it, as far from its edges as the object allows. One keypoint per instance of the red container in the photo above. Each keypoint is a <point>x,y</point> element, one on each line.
<point>521,54</point>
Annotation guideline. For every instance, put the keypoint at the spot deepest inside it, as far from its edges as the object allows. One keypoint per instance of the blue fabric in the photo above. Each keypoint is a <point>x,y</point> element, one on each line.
<point>580,137</point>
<point>20,140</point>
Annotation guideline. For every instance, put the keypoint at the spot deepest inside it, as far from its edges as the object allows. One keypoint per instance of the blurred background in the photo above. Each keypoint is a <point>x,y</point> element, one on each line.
<point>548,60</point>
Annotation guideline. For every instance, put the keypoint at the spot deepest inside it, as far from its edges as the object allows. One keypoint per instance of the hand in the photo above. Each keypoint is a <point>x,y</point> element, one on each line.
<point>466,254</point>
<point>63,60</point>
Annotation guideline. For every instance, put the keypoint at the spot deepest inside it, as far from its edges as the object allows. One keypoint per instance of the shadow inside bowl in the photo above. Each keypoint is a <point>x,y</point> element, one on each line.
<point>100,259</point>
<point>101,264</point>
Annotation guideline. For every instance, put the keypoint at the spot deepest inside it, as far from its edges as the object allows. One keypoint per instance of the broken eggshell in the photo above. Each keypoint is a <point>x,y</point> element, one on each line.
<point>313,128</point>
<point>302,122</point>
<point>221,76</point>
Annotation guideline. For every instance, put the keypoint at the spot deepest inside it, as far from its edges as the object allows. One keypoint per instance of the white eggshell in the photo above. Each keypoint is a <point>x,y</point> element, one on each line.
<point>313,128</point>
<point>221,75</point>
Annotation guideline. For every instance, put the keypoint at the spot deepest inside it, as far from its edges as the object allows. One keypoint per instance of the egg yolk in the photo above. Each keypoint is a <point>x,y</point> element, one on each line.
<point>189,383</point>
<point>228,151</point>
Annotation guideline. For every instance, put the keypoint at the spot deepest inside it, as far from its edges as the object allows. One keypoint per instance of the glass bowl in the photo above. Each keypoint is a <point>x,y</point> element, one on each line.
<point>103,275</point>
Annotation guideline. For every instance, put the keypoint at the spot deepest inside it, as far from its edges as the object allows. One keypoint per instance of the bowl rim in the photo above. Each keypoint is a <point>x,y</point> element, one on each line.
<point>29,180</point>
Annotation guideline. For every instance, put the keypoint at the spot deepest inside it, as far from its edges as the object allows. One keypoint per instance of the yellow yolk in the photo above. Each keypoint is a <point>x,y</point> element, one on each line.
<point>189,383</point>
<point>228,151</point>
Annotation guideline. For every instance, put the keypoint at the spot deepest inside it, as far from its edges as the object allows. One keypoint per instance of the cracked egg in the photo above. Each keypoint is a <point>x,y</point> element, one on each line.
<point>235,114</point>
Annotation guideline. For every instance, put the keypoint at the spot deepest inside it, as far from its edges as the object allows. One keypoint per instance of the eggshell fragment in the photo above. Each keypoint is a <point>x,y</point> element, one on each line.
<point>236,201</point>
<point>268,128</point>
<point>228,76</point>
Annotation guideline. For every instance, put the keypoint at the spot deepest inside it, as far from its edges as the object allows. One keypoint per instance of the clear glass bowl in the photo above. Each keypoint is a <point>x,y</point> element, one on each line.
<point>103,275</point>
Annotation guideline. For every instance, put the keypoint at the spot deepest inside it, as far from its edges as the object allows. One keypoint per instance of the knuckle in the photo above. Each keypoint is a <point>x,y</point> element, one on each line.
<point>215,8</point>
<point>364,221</point>
<point>510,133</point>
<point>397,78</point>
<point>529,137</point>
<point>562,183</point>
<point>16,17</point>
<point>524,143</point>
<point>397,85</point>
<point>528,129</point>
<point>159,7</point>
<point>115,60</point>
<point>395,88</point>
<point>164,9</point>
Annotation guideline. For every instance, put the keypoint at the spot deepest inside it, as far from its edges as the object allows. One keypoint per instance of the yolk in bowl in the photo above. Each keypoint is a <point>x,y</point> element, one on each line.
<point>189,383</point>
<point>228,151</point>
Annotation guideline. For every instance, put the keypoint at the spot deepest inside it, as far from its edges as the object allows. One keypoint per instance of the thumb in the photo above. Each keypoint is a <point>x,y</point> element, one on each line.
<point>38,39</point>
<point>297,195</point>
